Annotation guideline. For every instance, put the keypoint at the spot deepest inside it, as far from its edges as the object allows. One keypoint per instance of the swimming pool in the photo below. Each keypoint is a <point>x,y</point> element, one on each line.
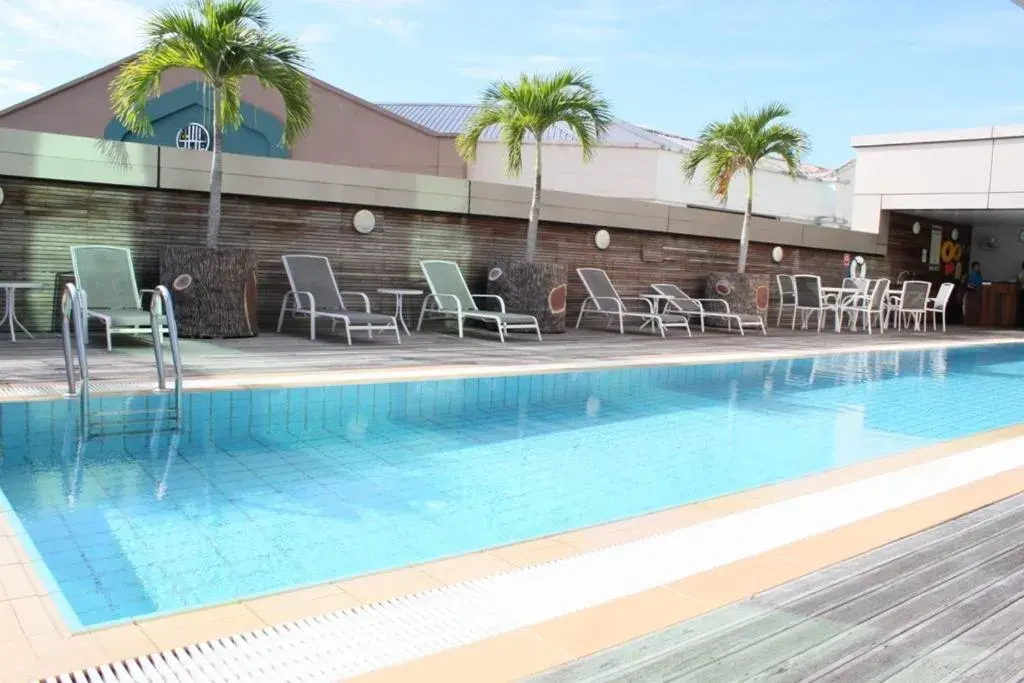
<point>266,490</point>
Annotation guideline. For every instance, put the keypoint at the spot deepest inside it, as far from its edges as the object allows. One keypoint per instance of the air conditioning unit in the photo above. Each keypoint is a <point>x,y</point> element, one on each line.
<point>990,243</point>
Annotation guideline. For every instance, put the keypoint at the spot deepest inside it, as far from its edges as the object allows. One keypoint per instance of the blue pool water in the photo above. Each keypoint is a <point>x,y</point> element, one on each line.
<point>270,489</point>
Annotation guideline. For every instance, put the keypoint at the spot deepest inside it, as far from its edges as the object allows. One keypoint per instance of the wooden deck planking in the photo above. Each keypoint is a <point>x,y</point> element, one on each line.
<point>41,361</point>
<point>944,604</point>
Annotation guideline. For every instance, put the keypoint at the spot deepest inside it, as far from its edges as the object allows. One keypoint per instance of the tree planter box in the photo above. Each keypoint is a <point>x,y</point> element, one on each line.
<point>214,291</point>
<point>537,289</point>
<point>739,290</point>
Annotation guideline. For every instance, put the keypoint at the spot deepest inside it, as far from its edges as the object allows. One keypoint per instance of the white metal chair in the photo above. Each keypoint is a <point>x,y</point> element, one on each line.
<point>913,304</point>
<point>938,304</point>
<point>871,305</point>
<point>810,301</point>
<point>787,296</point>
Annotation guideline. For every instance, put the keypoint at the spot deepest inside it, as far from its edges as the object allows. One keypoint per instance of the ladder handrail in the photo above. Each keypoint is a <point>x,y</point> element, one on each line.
<point>73,319</point>
<point>72,308</point>
<point>160,304</point>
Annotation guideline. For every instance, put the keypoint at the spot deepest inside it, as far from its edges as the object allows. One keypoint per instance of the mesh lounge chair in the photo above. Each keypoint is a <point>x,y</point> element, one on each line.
<point>716,309</point>
<point>604,300</point>
<point>106,276</point>
<point>314,294</point>
<point>450,297</point>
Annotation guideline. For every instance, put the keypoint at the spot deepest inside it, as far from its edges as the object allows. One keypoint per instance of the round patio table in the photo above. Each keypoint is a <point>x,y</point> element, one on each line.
<point>10,288</point>
<point>398,293</point>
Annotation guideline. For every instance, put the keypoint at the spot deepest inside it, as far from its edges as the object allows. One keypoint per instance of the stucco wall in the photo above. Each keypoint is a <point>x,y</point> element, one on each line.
<point>1001,264</point>
<point>613,172</point>
<point>654,175</point>
<point>345,130</point>
<point>973,168</point>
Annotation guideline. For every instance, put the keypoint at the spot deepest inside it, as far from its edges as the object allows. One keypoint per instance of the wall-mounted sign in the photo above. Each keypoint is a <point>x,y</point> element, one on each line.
<point>193,136</point>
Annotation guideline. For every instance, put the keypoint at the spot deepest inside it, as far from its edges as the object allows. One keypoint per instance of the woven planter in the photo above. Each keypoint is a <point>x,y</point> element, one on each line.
<point>537,289</point>
<point>214,291</point>
<point>738,289</point>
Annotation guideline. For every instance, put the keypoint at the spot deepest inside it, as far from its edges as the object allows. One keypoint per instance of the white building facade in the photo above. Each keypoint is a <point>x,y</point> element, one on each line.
<point>639,163</point>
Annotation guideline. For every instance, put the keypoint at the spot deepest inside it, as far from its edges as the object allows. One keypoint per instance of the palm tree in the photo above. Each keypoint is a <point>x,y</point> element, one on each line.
<point>531,105</point>
<point>740,144</point>
<point>225,41</point>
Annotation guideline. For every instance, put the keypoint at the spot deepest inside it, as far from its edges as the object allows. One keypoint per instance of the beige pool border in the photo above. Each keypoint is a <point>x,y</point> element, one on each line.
<point>412,373</point>
<point>44,645</point>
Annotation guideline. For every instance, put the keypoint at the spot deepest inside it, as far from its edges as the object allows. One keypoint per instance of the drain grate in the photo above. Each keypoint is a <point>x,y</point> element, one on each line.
<point>356,641</point>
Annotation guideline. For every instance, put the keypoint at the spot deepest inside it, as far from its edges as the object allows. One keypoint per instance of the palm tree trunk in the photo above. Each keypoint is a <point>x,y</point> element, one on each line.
<point>531,228</point>
<point>216,175</point>
<point>745,230</point>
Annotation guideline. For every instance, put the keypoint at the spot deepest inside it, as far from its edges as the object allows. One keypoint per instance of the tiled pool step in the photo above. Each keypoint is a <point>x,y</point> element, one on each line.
<point>350,642</point>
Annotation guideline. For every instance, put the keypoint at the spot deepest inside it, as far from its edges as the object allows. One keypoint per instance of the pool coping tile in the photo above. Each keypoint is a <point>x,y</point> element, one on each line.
<point>415,373</point>
<point>779,565</point>
<point>595,629</point>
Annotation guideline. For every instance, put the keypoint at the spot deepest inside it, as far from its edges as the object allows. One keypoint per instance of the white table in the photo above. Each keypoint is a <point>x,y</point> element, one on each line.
<point>9,290</point>
<point>655,301</point>
<point>398,293</point>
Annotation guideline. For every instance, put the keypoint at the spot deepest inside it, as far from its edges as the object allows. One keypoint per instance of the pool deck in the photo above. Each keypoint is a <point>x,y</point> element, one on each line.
<point>35,642</point>
<point>943,604</point>
<point>35,368</point>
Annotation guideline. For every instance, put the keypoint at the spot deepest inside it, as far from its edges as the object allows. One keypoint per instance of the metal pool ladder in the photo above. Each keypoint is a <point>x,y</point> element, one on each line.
<point>73,308</point>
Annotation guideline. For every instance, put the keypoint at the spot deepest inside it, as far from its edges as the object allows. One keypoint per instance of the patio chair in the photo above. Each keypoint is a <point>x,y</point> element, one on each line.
<point>716,309</point>
<point>912,304</point>
<point>787,296</point>
<point>105,276</point>
<point>871,305</point>
<point>450,298</point>
<point>850,293</point>
<point>810,300</point>
<point>937,305</point>
<point>603,299</point>
<point>314,294</point>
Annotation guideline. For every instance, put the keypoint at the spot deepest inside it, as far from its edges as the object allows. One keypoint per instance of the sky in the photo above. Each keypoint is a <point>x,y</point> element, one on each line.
<point>845,67</point>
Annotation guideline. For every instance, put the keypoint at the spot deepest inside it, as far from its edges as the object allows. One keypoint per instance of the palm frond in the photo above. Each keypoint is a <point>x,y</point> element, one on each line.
<point>743,141</point>
<point>225,41</point>
<point>483,118</point>
<point>533,103</point>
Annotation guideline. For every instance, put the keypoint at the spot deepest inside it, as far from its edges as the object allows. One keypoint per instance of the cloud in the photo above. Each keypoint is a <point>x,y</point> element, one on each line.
<point>12,85</point>
<point>394,17</point>
<point>494,68</point>
<point>101,29</point>
<point>585,21</point>
<point>971,29</point>
<point>398,28</point>
<point>314,34</point>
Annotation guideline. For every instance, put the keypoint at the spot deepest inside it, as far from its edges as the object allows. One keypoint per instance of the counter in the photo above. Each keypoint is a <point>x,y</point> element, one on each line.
<point>992,305</point>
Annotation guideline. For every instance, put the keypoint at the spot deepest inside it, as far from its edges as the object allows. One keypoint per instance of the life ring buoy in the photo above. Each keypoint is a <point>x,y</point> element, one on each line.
<point>948,251</point>
<point>958,253</point>
<point>858,267</point>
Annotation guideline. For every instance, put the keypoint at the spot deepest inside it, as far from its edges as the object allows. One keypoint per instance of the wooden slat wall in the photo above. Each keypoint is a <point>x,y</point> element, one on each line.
<point>39,220</point>
<point>905,247</point>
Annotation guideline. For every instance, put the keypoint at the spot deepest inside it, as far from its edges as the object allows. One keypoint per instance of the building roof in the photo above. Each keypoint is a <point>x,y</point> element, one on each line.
<point>449,119</point>
<point>116,65</point>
